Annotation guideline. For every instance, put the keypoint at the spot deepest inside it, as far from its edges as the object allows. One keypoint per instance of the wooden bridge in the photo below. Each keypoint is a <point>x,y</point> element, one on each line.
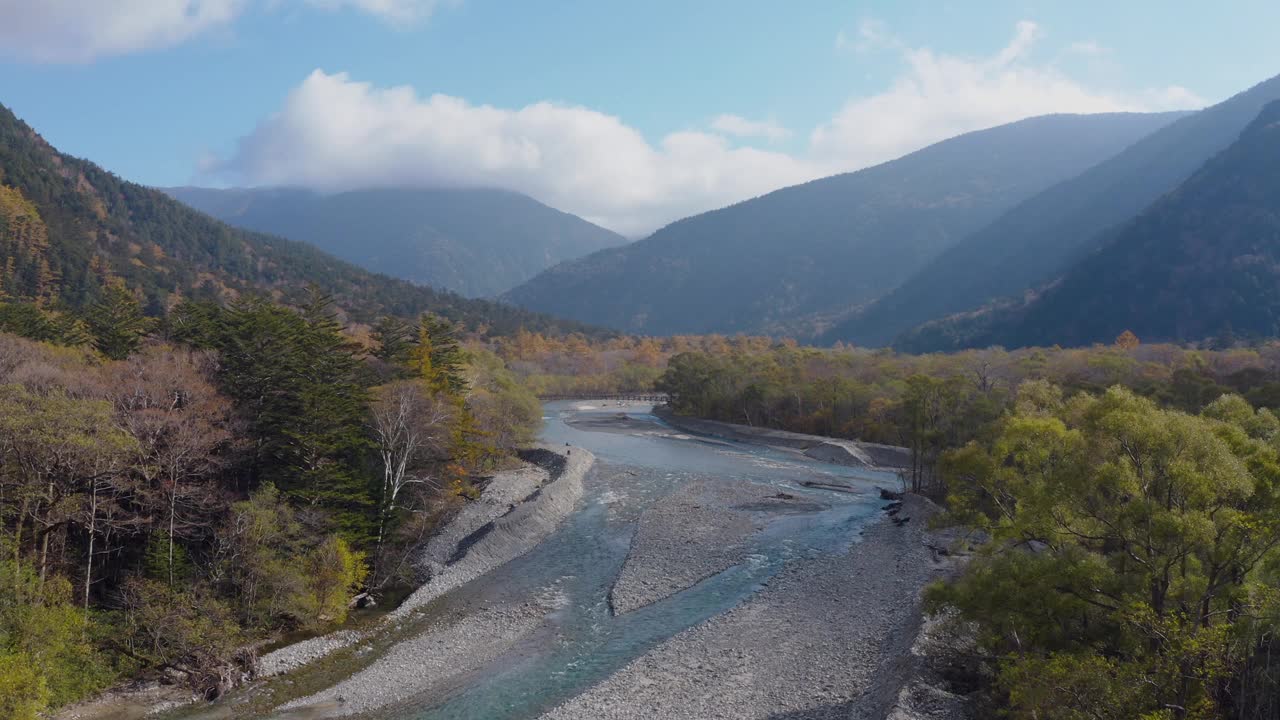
<point>656,398</point>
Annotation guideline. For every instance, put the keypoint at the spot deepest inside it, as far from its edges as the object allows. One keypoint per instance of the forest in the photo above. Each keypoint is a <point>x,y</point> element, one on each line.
<point>176,491</point>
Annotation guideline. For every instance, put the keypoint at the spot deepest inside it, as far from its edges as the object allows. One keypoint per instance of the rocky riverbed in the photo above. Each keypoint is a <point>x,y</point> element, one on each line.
<point>807,646</point>
<point>692,534</point>
<point>429,661</point>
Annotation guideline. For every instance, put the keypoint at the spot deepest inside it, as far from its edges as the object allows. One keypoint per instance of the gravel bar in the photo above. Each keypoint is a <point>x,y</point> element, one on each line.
<point>687,537</point>
<point>805,647</point>
<point>426,662</point>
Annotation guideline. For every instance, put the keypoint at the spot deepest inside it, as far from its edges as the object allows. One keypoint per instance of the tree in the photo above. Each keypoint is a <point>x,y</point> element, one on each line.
<point>1119,531</point>
<point>183,430</point>
<point>61,459</point>
<point>438,358</point>
<point>1127,340</point>
<point>188,629</point>
<point>395,339</point>
<point>411,430</point>
<point>46,659</point>
<point>506,412</point>
<point>296,379</point>
<point>282,575</point>
<point>117,323</point>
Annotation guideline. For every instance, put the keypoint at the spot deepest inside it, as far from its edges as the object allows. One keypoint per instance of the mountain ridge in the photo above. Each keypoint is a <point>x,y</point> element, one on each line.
<point>1202,261</point>
<point>1040,237</point>
<point>829,245</point>
<point>101,227</point>
<point>478,242</point>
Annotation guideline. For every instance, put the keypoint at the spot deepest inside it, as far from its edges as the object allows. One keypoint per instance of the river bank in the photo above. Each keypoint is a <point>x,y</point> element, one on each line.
<point>516,509</point>
<point>853,453</point>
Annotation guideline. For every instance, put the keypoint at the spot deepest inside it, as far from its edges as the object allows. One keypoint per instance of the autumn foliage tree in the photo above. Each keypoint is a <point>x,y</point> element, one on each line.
<point>1127,340</point>
<point>1131,557</point>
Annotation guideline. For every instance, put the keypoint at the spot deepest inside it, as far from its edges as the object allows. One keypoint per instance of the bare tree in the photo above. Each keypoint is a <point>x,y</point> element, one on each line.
<point>410,426</point>
<point>184,431</point>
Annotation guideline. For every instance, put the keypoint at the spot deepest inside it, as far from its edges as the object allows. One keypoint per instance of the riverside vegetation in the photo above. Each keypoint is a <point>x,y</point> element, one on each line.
<point>1128,559</point>
<point>175,491</point>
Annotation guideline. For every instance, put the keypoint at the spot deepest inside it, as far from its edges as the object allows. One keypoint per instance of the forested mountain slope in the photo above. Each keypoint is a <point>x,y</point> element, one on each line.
<point>1202,262</point>
<point>93,226</point>
<point>786,261</point>
<point>479,243</point>
<point>1042,236</point>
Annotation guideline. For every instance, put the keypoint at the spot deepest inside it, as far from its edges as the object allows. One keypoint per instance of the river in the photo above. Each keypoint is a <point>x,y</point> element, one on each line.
<point>581,642</point>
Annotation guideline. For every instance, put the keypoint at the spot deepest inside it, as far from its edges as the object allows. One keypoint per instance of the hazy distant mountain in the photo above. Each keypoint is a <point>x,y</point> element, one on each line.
<point>1201,262</point>
<point>479,243</point>
<point>67,226</point>
<point>1041,237</point>
<point>787,261</point>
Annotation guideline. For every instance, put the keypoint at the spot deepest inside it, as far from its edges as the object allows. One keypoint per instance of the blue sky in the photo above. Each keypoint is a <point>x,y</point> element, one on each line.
<point>615,111</point>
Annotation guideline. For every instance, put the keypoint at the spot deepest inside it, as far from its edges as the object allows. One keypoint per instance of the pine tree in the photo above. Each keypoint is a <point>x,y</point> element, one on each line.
<point>395,340</point>
<point>295,377</point>
<point>116,322</point>
<point>439,358</point>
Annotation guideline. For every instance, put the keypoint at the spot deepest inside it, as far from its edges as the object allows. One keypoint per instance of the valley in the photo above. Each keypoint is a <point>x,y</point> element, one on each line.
<point>418,360</point>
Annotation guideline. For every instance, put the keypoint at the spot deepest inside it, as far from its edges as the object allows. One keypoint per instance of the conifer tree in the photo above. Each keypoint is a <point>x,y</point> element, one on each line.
<point>395,340</point>
<point>116,322</point>
<point>439,358</point>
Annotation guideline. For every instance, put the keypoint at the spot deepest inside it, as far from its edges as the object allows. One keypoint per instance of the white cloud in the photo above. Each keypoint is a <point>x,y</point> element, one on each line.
<point>738,126</point>
<point>78,31</point>
<point>941,96</point>
<point>75,31</point>
<point>335,133</point>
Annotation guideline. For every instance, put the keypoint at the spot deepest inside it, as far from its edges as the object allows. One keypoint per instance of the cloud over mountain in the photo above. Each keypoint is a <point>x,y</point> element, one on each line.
<point>335,132</point>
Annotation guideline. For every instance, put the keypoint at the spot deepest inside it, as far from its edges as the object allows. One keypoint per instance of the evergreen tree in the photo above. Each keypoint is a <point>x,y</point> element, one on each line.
<point>439,358</point>
<point>395,340</point>
<point>116,322</point>
<point>295,377</point>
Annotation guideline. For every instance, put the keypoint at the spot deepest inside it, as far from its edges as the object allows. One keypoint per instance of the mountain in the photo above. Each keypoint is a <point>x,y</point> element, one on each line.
<point>1042,236</point>
<point>786,262</point>
<point>67,227</point>
<point>479,243</point>
<point>1202,262</point>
